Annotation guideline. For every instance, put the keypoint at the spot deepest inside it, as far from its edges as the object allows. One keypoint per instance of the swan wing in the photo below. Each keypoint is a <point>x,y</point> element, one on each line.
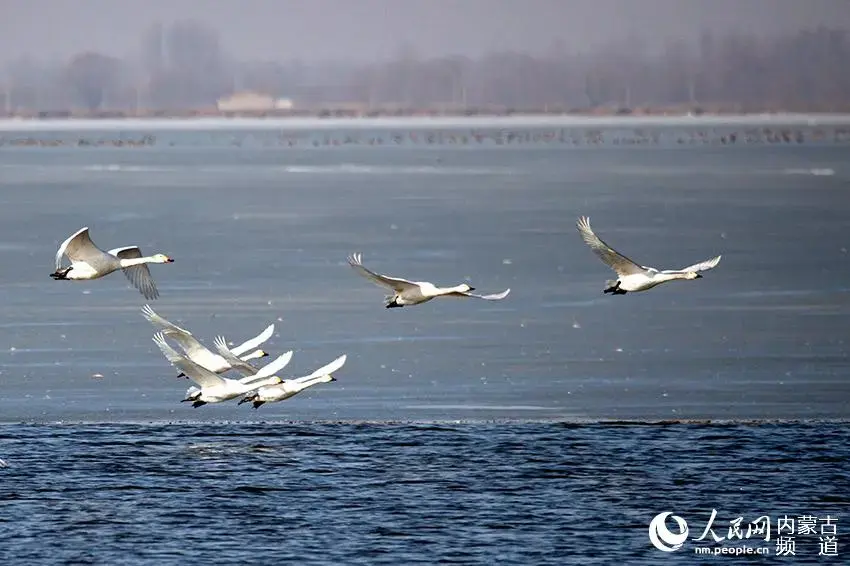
<point>253,342</point>
<point>396,284</point>
<point>138,275</point>
<point>263,380</point>
<point>79,247</point>
<point>199,374</point>
<point>190,346</point>
<point>618,262</point>
<point>270,368</point>
<point>702,266</point>
<point>188,343</point>
<point>493,297</point>
<point>158,321</point>
<point>239,365</point>
<point>325,370</point>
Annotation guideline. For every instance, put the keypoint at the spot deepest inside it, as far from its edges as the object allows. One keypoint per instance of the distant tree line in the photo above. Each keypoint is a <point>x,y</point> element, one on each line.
<point>184,66</point>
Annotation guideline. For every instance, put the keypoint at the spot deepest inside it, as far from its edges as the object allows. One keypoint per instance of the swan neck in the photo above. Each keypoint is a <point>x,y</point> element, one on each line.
<point>449,290</point>
<point>670,276</point>
<point>135,261</point>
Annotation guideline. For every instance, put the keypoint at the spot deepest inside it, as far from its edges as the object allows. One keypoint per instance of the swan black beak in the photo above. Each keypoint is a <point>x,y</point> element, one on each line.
<point>698,276</point>
<point>472,288</point>
<point>332,378</point>
<point>169,260</point>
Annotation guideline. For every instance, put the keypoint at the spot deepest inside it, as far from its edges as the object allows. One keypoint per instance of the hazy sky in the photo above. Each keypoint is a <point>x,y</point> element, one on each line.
<point>369,29</point>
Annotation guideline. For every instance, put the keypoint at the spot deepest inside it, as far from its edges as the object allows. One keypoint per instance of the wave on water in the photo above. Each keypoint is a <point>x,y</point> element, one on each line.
<point>336,169</point>
<point>817,172</point>
<point>355,169</point>
<point>483,407</point>
<point>118,168</point>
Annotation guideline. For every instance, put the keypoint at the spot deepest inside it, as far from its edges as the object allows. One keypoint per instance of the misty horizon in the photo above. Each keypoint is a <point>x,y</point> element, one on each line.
<point>374,30</point>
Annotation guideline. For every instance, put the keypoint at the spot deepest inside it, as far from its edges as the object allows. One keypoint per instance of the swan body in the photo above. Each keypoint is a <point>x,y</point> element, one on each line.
<point>632,277</point>
<point>416,292</point>
<point>199,353</point>
<point>290,387</point>
<point>90,262</point>
<point>213,387</point>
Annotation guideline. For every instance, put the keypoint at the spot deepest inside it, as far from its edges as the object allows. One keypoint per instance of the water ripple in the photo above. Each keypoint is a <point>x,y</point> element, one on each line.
<point>392,493</point>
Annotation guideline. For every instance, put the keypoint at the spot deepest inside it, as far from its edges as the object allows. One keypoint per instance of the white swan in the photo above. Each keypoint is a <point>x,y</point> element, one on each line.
<point>416,292</point>
<point>631,276</point>
<point>267,370</point>
<point>199,354</point>
<point>213,387</point>
<point>289,387</point>
<point>90,262</point>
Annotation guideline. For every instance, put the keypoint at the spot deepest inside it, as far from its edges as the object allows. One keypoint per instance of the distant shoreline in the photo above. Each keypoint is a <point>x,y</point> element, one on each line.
<point>206,122</point>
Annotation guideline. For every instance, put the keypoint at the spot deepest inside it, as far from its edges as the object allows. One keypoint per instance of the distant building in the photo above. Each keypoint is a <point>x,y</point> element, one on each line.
<point>246,102</point>
<point>284,104</point>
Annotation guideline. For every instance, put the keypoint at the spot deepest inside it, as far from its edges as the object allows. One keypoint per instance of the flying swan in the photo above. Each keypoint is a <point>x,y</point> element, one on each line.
<point>415,292</point>
<point>290,387</point>
<point>213,387</point>
<point>90,262</point>
<point>631,276</point>
<point>199,353</point>
<point>267,370</point>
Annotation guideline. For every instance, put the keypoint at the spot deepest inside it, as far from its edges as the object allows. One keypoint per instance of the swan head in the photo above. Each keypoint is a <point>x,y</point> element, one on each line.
<point>693,275</point>
<point>464,288</point>
<point>326,378</point>
<point>161,258</point>
<point>256,354</point>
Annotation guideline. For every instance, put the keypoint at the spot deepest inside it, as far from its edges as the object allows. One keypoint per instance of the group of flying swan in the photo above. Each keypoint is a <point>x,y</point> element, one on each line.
<point>262,385</point>
<point>204,368</point>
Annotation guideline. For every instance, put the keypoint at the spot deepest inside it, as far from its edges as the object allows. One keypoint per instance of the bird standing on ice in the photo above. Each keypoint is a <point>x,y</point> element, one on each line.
<point>415,292</point>
<point>90,262</point>
<point>631,276</point>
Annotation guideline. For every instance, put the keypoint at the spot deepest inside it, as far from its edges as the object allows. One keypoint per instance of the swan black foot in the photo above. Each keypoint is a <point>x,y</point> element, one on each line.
<point>615,289</point>
<point>197,404</point>
<point>394,306</point>
<point>183,375</point>
<point>258,403</point>
<point>61,274</point>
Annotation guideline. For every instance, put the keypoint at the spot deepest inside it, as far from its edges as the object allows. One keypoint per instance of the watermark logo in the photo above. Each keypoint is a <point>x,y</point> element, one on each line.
<point>663,538</point>
<point>779,537</point>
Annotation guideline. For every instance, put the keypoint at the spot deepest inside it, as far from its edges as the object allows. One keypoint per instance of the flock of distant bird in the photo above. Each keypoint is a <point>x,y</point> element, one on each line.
<point>262,385</point>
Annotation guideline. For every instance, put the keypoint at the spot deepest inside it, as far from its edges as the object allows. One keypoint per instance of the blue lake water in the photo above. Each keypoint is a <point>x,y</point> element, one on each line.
<point>458,431</point>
